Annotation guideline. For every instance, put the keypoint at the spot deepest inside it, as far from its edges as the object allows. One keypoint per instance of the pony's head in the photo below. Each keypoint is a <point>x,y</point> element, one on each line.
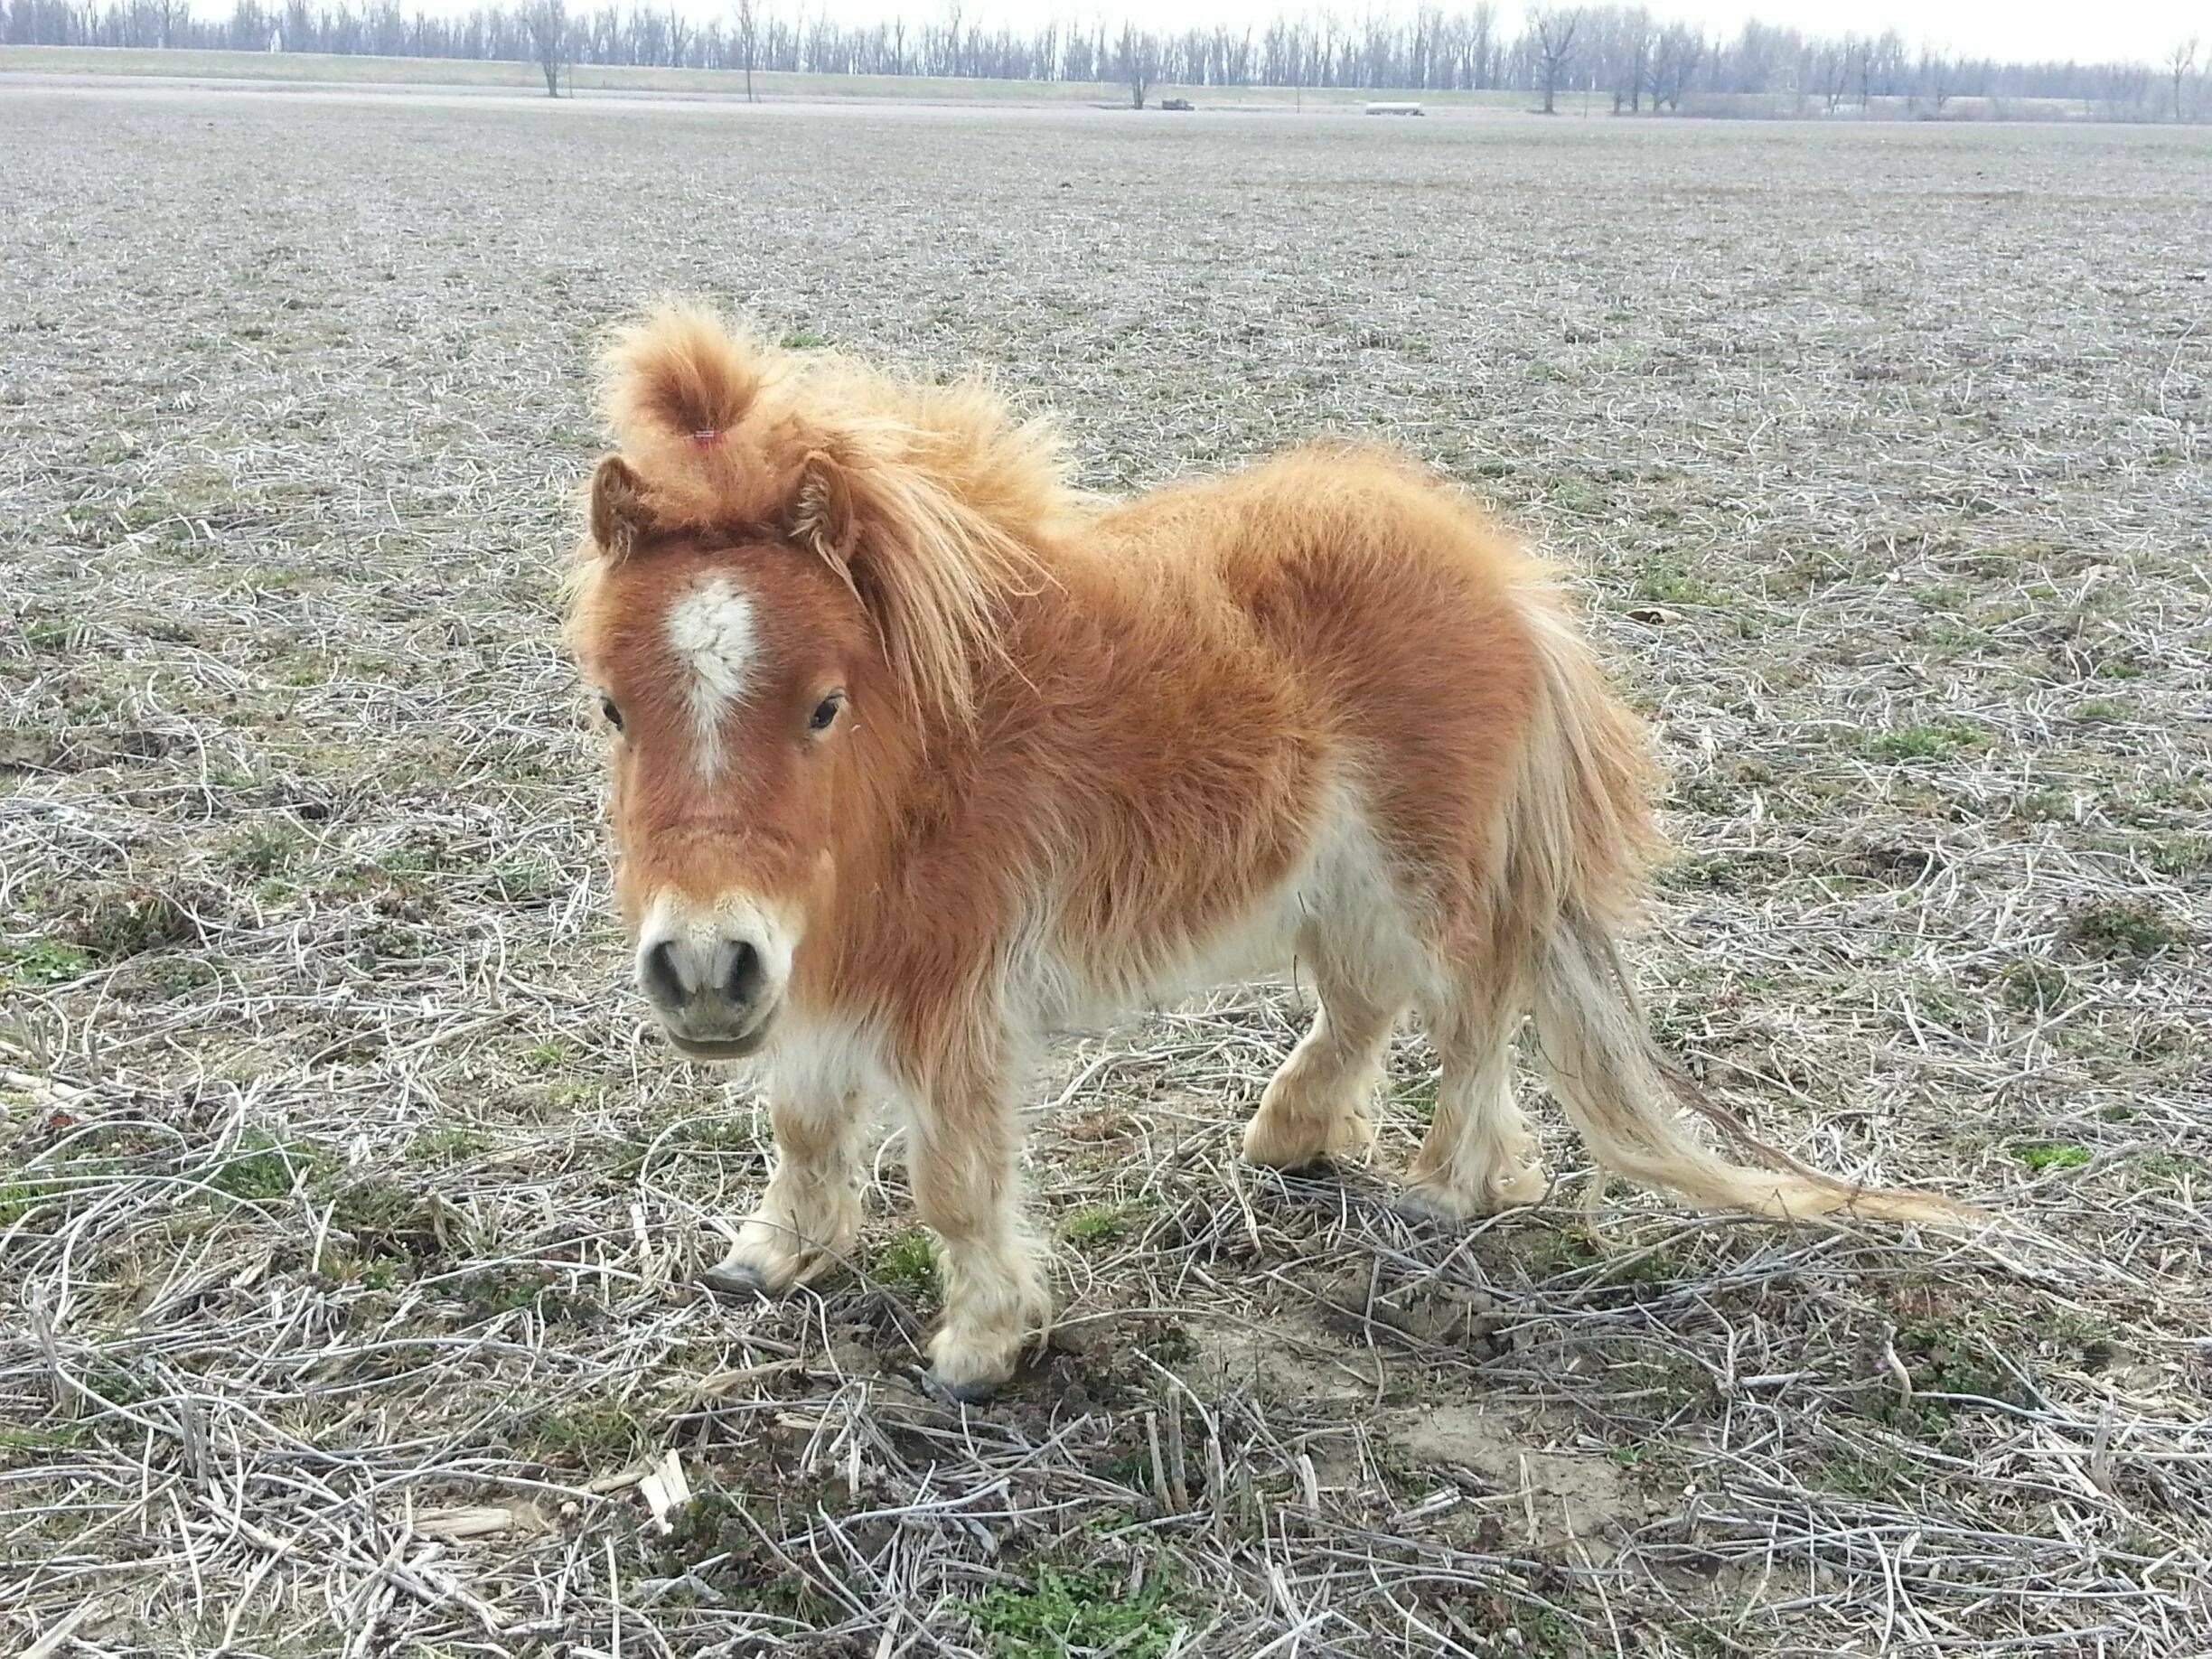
<point>782,603</point>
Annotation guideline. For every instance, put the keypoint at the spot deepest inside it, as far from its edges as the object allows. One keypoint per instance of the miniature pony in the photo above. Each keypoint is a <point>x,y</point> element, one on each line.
<point>918,754</point>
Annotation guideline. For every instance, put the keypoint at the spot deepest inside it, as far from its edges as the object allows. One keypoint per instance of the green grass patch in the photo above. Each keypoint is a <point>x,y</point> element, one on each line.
<point>177,975</point>
<point>2041,1156</point>
<point>501,1291</point>
<point>376,1209</point>
<point>1664,582</point>
<point>1077,1612</point>
<point>2171,1168</point>
<point>2033,987</point>
<point>1937,741</point>
<point>588,1435</point>
<point>259,1169</point>
<point>1941,1356</point>
<point>1095,1224</point>
<point>132,921</point>
<point>1719,872</point>
<point>2124,929</point>
<point>1862,1475</point>
<point>909,1261</point>
<point>714,1136</point>
<point>804,340</point>
<point>447,1146</point>
<point>723,1537</point>
<point>42,962</point>
<point>1417,1100</point>
<point>1577,496</point>
<point>2180,854</point>
<point>1547,1253</point>
<point>524,881</point>
<point>24,1197</point>
<point>2045,806</point>
<point>1660,1265</point>
<point>548,1056</point>
<point>64,1437</point>
<point>264,849</point>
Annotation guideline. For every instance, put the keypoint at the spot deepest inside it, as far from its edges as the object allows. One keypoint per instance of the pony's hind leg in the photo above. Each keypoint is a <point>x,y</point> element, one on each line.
<point>1478,1157</point>
<point>811,1211</point>
<point>1317,1107</point>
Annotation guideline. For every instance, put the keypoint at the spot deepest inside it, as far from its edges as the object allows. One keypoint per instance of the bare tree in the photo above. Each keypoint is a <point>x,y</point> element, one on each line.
<point>1137,61</point>
<point>1675,55</point>
<point>1620,46</point>
<point>1481,45</point>
<point>1625,43</point>
<point>744,34</point>
<point>1555,40</point>
<point>548,33</point>
<point>1834,66</point>
<point>1938,79</point>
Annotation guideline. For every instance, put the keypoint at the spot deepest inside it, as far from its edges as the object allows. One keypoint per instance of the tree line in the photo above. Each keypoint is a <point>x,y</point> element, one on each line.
<point>1630,58</point>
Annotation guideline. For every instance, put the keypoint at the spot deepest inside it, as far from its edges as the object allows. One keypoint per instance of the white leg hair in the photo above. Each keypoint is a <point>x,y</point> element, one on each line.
<point>810,1212</point>
<point>1478,1155</point>
<point>966,1187</point>
<point>1316,1106</point>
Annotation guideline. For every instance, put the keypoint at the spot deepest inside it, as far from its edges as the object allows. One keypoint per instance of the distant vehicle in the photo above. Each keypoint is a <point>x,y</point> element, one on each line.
<point>1177,103</point>
<point>1406,110</point>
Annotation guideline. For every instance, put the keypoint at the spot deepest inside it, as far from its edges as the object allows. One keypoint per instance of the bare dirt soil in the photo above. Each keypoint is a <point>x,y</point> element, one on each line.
<point>348,1213</point>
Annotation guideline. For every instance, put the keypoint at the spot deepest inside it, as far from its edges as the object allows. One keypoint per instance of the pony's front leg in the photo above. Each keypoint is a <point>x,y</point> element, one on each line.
<point>966,1140</point>
<point>811,1211</point>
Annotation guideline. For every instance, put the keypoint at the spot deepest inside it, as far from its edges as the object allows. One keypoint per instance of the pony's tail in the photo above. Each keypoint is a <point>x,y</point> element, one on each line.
<point>1622,1093</point>
<point>1578,834</point>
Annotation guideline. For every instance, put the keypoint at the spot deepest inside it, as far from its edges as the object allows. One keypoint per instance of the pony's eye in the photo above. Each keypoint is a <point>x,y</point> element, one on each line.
<point>826,712</point>
<point>607,707</point>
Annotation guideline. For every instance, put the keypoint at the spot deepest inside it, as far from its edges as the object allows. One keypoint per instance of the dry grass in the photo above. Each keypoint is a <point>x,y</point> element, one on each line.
<point>347,1216</point>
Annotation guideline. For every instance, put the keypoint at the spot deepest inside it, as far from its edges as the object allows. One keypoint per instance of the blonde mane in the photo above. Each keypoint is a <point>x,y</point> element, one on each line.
<point>931,500</point>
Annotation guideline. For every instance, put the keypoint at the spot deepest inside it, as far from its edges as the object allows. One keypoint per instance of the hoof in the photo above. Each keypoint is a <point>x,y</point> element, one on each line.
<point>732,1279</point>
<point>1293,1145</point>
<point>1308,1166</point>
<point>937,1388</point>
<point>1434,1206</point>
<point>1428,1201</point>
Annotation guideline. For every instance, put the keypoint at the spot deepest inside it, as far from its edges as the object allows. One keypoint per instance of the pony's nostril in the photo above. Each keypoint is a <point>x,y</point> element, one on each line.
<point>742,983</point>
<point>662,983</point>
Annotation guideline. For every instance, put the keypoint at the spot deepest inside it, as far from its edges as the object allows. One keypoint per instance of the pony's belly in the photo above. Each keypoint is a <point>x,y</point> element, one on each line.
<point>1341,888</point>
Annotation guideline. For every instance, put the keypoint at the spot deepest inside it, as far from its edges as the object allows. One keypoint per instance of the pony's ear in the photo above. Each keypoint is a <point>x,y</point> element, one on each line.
<point>824,518</point>
<point>618,514</point>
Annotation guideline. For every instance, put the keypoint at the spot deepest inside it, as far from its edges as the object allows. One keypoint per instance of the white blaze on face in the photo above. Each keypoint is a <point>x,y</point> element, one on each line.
<point>712,631</point>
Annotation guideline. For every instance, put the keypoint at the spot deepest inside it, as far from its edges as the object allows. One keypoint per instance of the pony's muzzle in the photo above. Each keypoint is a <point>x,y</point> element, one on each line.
<point>714,977</point>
